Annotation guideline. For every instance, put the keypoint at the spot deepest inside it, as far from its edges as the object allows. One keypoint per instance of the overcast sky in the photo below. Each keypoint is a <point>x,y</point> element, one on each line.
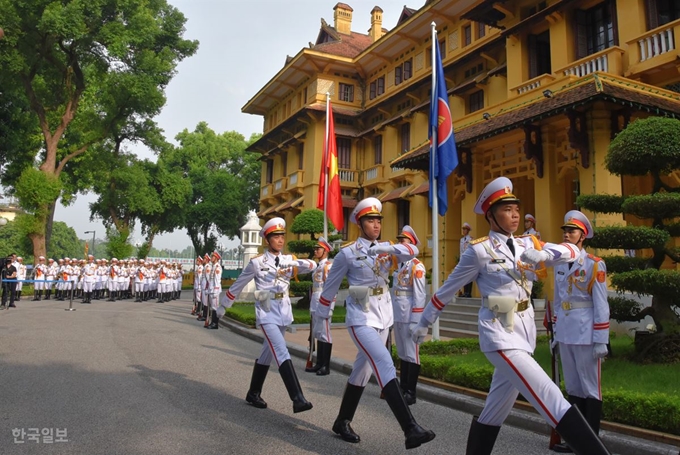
<point>243,44</point>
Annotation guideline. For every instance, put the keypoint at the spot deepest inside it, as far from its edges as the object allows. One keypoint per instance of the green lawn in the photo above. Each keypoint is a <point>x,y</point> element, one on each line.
<point>646,396</point>
<point>245,313</point>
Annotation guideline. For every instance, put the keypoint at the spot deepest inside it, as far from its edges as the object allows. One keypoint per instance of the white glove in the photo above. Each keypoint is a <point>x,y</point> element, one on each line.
<point>224,301</point>
<point>554,345</point>
<point>220,311</point>
<point>419,331</point>
<point>599,351</point>
<point>532,256</point>
<point>380,249</point>
<point>284,264</point>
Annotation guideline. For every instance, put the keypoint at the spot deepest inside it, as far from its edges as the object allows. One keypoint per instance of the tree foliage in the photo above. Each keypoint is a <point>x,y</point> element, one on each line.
<point>64,242</point>
<point>88,71</point>
<point>646,147</point>
<point>224,179</point>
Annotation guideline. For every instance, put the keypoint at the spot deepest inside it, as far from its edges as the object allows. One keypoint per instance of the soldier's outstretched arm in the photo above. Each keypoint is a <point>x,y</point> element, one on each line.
<point>332,284</point>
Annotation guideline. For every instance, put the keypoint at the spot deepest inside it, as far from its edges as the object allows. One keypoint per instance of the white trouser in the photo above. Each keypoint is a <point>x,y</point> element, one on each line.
<point>20,284</point>
<point>274,345</point>
<point>582,373</point>
<point>515,372</point>
<point>372,356</point>
<point>322,328</point>
<point>39,284</point>
<point>111,286</point>
<point>48,283</point>
<point>139,286</point>
<point>406,349</point>
<point>88,286</point>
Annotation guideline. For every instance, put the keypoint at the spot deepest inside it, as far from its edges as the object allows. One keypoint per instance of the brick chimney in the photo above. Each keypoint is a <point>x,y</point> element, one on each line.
<point>343,18</point>
<point>376,31</point>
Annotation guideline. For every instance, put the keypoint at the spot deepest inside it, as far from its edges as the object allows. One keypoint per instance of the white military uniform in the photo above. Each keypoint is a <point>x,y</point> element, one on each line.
<point>321,326</point>
<point>581,316</point>
<point>409,296</point>
<point>508,339</point>
<point>215,285</point>
<point>368,329</point>
<point>21,276</point>
<point>531,230</point>
<point>274,312</point>
<point>40,273</point>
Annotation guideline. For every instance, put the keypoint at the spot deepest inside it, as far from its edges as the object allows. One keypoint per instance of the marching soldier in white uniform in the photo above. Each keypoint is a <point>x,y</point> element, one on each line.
<point>113,280</point>
<point>321,327</point>
<point>367,264</point>
<point>198,272</point>
<point>272,272</point>
<point>206,297</point>
<point>215,288</point>
<point>409,296</point>
<point>530,226</point>
<point>502,267</point>
<point>464,244</point>
<point>582,322</point>
<point>39,276</point>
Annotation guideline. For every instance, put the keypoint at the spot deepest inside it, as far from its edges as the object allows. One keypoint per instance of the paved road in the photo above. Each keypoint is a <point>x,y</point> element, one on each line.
<point>131,378</point>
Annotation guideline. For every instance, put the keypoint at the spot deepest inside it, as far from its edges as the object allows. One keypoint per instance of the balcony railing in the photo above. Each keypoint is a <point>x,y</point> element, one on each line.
<point>295,179</point>
<point>348,176</point>
<point>535,83</point>
<point>654,48</point>
<point>266,190</point>
<point>280,185</point>
<point>660,42</point>
<point>374,173</point>
<point>606,61</point>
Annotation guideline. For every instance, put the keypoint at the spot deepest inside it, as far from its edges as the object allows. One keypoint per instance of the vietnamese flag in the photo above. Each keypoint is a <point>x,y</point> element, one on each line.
<point>330,198</point>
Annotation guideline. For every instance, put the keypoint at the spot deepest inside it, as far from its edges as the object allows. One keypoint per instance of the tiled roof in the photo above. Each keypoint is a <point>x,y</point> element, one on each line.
<point>343,45</point>
<point>585,91</point>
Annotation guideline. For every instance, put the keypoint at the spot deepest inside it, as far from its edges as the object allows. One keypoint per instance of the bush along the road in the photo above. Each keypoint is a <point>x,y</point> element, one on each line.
<point>644,396</point>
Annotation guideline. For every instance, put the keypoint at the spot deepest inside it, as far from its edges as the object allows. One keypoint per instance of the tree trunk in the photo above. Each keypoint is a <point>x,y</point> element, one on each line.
<point>664,317</point>
<point>49,222</point>
<point>38,241</point>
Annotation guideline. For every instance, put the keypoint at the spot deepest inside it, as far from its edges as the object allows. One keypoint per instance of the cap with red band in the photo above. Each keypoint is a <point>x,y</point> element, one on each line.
<point>408,233</point>
<point>366,207</point>
<point>273,226</point>
<point>323,243</point>
<point>498,191</point>
<point>576,219</point>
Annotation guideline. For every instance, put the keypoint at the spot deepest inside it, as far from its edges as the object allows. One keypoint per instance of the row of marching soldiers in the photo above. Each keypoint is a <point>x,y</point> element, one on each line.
<point>103,279</point>
<point>504,268</point>
<point>207,289</point>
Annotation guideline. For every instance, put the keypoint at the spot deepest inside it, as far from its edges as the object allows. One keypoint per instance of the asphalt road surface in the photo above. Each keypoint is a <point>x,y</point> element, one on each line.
<point>146,378</point>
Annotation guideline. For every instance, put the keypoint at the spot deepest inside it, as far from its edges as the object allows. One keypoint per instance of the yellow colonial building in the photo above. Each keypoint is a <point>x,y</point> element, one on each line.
<point>537,90</point>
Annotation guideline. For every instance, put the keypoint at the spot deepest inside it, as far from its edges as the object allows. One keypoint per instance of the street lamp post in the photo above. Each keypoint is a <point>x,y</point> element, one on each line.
<point>94,234</point>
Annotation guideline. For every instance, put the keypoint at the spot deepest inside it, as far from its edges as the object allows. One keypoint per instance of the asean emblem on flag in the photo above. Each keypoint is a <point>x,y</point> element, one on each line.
<point>444,121</point>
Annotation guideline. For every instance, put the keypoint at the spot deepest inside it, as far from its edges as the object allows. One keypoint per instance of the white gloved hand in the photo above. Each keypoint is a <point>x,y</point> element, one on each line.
<point>599,351</point>
<point>380,249</point>
<point>220,311</point>
<point>224,301</point>
<point>284,264</point>
<point>419,331</point>
<point>532,256</point>
<point>554,345</point>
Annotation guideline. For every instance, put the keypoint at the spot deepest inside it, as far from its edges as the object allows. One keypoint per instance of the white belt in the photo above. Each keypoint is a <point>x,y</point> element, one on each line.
<point>378,290</point>
<point>400,293</point>
<point>566,306</point>
<point>522,305</point>
<point>317,288</point>
<point>277,295</point>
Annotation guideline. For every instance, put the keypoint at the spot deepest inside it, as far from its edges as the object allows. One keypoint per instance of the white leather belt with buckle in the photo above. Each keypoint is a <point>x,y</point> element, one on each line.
<point>522,305</point>
<point>566,306</point>
<point>277,295</point>
<point>378,290</point>
<point>400,293</point>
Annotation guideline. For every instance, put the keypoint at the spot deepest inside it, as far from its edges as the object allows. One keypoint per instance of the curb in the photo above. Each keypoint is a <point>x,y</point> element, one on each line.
<point>522,416</point>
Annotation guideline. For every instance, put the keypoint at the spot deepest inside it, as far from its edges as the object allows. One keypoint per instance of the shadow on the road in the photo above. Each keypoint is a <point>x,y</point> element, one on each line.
<point>231,352</point>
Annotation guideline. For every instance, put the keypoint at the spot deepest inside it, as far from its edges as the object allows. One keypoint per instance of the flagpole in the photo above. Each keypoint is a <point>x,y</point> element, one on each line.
<point>326,157</point>
<point>435,204</point>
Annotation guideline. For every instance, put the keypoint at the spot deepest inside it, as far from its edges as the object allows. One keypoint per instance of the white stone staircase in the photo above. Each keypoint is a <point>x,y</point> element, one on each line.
<point>459,319</point>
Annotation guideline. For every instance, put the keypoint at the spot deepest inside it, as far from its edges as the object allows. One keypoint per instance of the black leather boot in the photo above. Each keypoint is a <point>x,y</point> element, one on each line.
<point>580,403</point>
<point>576,432</point>
<point>481,438</point>
<point>35,296</point>
<point>350,401</point>
<point>593,414</point>
<point>414,433</point>
<point>411,383</point>
<point>290,379</point>
<point>403,375</point>
<point>48,294</point>
<point>256,381</point>
<point>320,346</point>
<point>325,369</point>
<point>214,322</point>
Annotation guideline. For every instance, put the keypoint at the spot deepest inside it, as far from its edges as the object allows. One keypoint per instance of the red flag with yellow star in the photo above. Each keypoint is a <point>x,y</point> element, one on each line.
<point>330,197</point>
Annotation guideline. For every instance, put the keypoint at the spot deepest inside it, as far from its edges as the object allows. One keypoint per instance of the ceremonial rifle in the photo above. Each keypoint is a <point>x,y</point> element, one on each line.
<point>554,364</point>
<point>310,362</point>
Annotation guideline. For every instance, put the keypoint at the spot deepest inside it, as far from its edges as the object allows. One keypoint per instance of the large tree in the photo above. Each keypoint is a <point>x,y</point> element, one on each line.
<point>87,70</point>
<point>225,182</point>
<point>649,147</point>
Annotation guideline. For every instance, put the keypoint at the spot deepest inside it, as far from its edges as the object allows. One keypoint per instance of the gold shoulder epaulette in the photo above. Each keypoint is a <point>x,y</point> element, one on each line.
<point>479,240</point>
<point>294,257</point>
<point>594,258</point>
<point>522,236</point>
<point>348,244</point>
<point>258,256</point>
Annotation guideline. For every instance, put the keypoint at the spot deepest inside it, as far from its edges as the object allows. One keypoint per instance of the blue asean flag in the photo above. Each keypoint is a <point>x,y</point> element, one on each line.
<point>443,154</point>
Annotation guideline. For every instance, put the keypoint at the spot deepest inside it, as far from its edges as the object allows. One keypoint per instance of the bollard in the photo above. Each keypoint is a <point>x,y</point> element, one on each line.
<point>70,302</point>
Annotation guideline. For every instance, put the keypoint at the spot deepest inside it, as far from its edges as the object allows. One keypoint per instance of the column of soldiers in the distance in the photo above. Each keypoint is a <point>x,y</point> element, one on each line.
<point>101,279</point>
